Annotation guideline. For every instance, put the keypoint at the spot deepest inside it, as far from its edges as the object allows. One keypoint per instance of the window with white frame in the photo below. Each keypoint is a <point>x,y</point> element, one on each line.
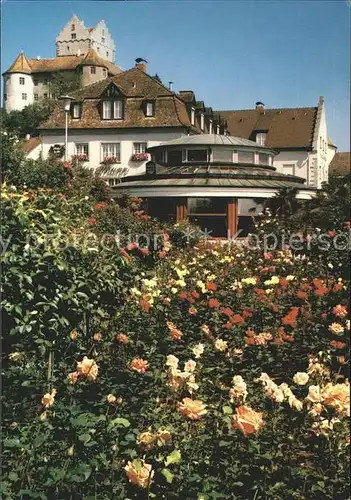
<point>192,116</point>
<point>112,110</point>
<point>36,97</point>
<point>150,108</point>
<point>73,36</point>
<point>73,27</point>
<point>21,80</point>
<point>92,70</point>
<point>76,110</point>
<point>82,149</point>
<point>118,109</point>
<point>261,138</point>
<point>24,97</point>
<point>139,147</point>
<point>210,127</point>
<point>202,121</point>
<point>111,150</point>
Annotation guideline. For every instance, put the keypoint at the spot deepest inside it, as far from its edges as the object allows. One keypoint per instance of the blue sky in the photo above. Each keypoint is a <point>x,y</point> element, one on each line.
<point>231,53</point>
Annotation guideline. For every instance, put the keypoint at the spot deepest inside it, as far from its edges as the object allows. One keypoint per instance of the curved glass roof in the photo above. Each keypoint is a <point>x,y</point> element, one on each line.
<point>210,140</point>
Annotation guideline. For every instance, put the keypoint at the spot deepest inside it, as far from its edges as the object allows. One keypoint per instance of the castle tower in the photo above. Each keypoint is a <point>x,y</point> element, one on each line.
<point>18,84</point>
<point>75,39</point>
<point>94,68</point>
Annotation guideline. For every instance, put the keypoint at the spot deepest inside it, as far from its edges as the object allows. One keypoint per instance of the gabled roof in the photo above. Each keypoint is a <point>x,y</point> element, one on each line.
<point>285,127</point>
<point>133,82</point>
<point>136,87</point>
<point>340,164</point>
<point>20,65</point>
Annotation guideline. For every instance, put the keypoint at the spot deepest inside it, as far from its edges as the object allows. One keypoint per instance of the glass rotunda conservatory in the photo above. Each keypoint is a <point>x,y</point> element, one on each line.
<point>218,182</point>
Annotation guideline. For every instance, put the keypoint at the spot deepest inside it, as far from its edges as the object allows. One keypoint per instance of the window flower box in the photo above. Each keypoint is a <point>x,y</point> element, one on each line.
<point>81,157</point>
<point>110,160</point>
<point>140,157</point>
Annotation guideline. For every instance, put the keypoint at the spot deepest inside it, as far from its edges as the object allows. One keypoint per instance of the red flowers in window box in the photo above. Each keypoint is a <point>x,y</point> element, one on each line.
<point>82,157</point>
<point>140,157</point>
<point>110,160</point>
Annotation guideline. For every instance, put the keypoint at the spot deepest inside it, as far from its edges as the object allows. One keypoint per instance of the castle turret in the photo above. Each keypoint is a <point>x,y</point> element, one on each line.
<point>94,68</point>
<point>18,84</point>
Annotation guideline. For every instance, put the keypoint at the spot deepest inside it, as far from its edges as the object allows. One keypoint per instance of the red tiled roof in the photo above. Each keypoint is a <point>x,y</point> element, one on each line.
<point>60,63</point>
<point>285,127</point>
<point>136,87</point>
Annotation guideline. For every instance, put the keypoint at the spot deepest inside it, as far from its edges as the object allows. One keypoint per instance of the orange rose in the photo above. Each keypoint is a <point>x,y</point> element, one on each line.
<point>121,337</point>
<point>139,473</point>
<point>192,408</point>
<point>337,396</point>
<point>88,367</point>
<point>247,420</point>
<point>139,365</point>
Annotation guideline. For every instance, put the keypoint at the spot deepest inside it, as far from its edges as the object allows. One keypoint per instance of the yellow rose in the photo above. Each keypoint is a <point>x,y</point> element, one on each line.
<point>247,420</point>
<point>221,345</point>
<point>111,399</point>
<point>198,350</point>
<point>139,473</point>
<point>172,361</point>
<point>164,437</point>
<point>190,366</point>
<point>336,328</point>
<point>48,399</point>
<point>301,378</point>
<point>146,439</point>
<point>192,408</point>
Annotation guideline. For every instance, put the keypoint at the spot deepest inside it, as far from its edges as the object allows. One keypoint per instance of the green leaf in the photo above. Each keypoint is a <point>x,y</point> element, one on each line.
<point>118,422</point>
<point>168,475</point>
<point>173,458</point>
<point>227,410</point>
<point>81,473</point>
<point>12,443</point>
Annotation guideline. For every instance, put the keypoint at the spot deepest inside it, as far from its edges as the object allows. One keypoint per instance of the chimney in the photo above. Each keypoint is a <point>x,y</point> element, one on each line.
<point>260,107</point>
<point>141,66</point>
<point>321,100</point>
<point>170,86</point>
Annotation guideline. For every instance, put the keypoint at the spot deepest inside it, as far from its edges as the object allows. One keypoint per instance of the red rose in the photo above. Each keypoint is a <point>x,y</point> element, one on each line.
<point>213,303</point>
<point>162,254</point>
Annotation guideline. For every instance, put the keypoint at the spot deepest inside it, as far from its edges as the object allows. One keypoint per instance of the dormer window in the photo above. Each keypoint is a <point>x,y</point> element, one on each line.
<point>192,116</point>
<point>112,110</point>
<point>261,138</point>
<point>202,121</point>
<point>150,108</point>
<point>76,110</point>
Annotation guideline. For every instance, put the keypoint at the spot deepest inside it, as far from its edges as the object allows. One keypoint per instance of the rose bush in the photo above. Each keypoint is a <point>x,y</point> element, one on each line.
<point>204,373</point>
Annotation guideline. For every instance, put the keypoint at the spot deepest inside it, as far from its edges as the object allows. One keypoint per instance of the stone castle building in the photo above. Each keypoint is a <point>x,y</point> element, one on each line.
<point>88,52</point>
